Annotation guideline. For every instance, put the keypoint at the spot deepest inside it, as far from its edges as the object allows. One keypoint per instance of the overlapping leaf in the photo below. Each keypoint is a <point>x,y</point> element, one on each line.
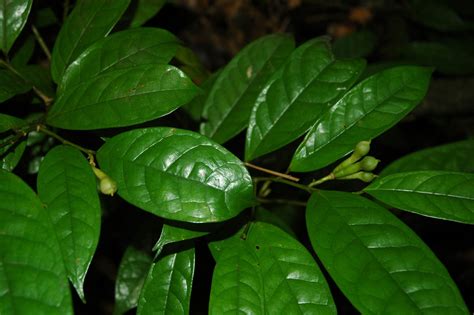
<point>167,288</point>
<point>173,233</point>
<point>456,157</point>
<point>122,97</point>
<point>11,85</point>
<point>32,276</point>
<point>438,194</point>
<point>268,273</point>
<point>194,108</point>
<point>295,96</point>
<point>146,9</point>
<point>67,187</point>
<point>13,16</point>
<point>90,21</point>
<point>177,174</point>
<point>10,154</point>
<point>228,106</point>
<point>371,107</point>
<point>131,275</point>
<point>377,261</point>
<point>121,50</point>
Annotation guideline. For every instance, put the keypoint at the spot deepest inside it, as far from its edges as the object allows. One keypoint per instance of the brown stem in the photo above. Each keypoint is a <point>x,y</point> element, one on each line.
<point>271,172</point>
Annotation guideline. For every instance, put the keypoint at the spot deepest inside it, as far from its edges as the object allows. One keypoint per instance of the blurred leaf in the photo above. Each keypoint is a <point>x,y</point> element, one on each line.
<point>177,174</point>
<point>10,154</point>
<point>45,17</point>
<point>146,9</point>
<point>131,275</point>
<point>33,280</point>
<point>11,85</point>
<point>195,106</point>
<point>24,52</point>
<point>437,194</point>
<point>370,108</point>
<point>376,260</point>
<point>38,77</point>
<point>13,16</point>
<point>355,45</point>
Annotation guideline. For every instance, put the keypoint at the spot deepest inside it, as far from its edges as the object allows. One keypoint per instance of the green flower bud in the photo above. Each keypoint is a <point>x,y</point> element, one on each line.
<point>107,186</point>
<point>348,170</point>
<point>368,163</point>
<point>362,148</point>
<point>363,176</point>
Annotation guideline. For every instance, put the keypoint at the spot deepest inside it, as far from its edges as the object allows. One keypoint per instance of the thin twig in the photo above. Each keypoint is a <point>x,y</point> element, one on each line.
<point>271,172</point>
<point>41,42</point>
<point>48,132</point>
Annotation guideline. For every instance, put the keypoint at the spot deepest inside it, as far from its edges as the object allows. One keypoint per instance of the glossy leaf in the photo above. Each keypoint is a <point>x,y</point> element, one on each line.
<point>229,104</point>
<point>67,187</point>
<point>177,174</point>
<point>376,260</point>
<point>196,105</point>
<point>268,273</point>
<point>167,288</point>
<point>456,157</point>
<point>173,233</point>
<point>122,97</point>
<point>131,275</point>
<point>13,16</point>
<point>438,194</point>
<point>146,9</point>
<point>371,107</point>
<point>11,85</point>
<point>122,50</point>
<point>10,154</point>
<point>32,276</point>
<point>355,45</point>
<point>296,95</point>
<point>89,21</point>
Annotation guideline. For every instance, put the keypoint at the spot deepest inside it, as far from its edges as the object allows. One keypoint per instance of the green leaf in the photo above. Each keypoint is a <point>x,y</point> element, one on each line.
<point>121,50</point>
<point>296,95</point>
<point>45,17</point>
<point>177,174</point>
<point>173,233</point>
<point>438,15</point>
<point>122,97</point>
<point>24,53</point>
<point>268,273</point>
<point>167,288</point>
<point>456,157</point>
<point>13,16</point>
<point>355,45</point>
<point>10,154</point>
<point>376,260</point>
<point>38,77</point>
<point>437,194</point>
<point>196,105</point>
<point>229,104</point>
<point>264,215</point>
<point>67,187</point>
<point>371,107</point>
<point>11,85</point>
<point>32,276</point>
<point>90,21</point>
<point>146,9</point>
<point>131,275</point>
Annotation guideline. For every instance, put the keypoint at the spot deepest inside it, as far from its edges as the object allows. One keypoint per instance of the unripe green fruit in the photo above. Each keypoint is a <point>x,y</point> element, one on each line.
<point>107,186</point>
<point>369,163</point>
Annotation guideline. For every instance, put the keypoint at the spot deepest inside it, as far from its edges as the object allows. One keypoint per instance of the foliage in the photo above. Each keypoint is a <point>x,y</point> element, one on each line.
<point>114,87</point>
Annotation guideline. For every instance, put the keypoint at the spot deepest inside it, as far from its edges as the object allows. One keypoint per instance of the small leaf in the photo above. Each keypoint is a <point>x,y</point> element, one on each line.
<point>11,85</point>
<point>67,187</point>
<point>195,106</point>
<point>13,16</point>
<point>146,9</point>
<point>438,194</point>
<point>371,107</point>
<point>10,154</point>
<point>38,77</point>
<point>376,260</point>
<point>177,174</point>
<point>90,21</point>
<point>24,53</point>
<point>174,233</point>
<point>355,45</point>
<point>438,15</point>
<point>121,50</point>
<point>229,104</point>
<point>167,288</point>
<point>296,95</point>
<point>32,276</point>
<point>456,157</point>
<point>131,275</point>
<point>146,92</point>
<point>268,273</point>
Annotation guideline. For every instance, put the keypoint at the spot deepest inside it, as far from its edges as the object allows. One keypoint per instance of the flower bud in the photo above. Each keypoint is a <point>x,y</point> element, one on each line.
<point>362,148</point>
<point>363,176</point>
<point>369,163</point>
<point>107,186</point>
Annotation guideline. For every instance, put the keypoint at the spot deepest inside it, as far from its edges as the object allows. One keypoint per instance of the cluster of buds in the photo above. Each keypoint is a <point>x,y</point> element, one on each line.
<point>358,165</point>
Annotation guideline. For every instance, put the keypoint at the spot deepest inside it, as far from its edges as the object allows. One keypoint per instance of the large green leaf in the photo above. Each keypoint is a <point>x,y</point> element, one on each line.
<point>376,260</point>
<point>177,174</point>
<point>10,154</point>
<point>438,194</point>
<point>122,50</point>
<point>268,273</point>
<point>11,85</point>
<point>296,95</point>
<point>90,21</point>
<point>167,288</point>
<point>146,9</point>
<point>67,186</point>
<point>13,16</point>
<point>122,97</point>
<point>131,275</point>
<point>229,104</point>
<point>32,276</point>
<point>371,107</point>
<point>456,157</point>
